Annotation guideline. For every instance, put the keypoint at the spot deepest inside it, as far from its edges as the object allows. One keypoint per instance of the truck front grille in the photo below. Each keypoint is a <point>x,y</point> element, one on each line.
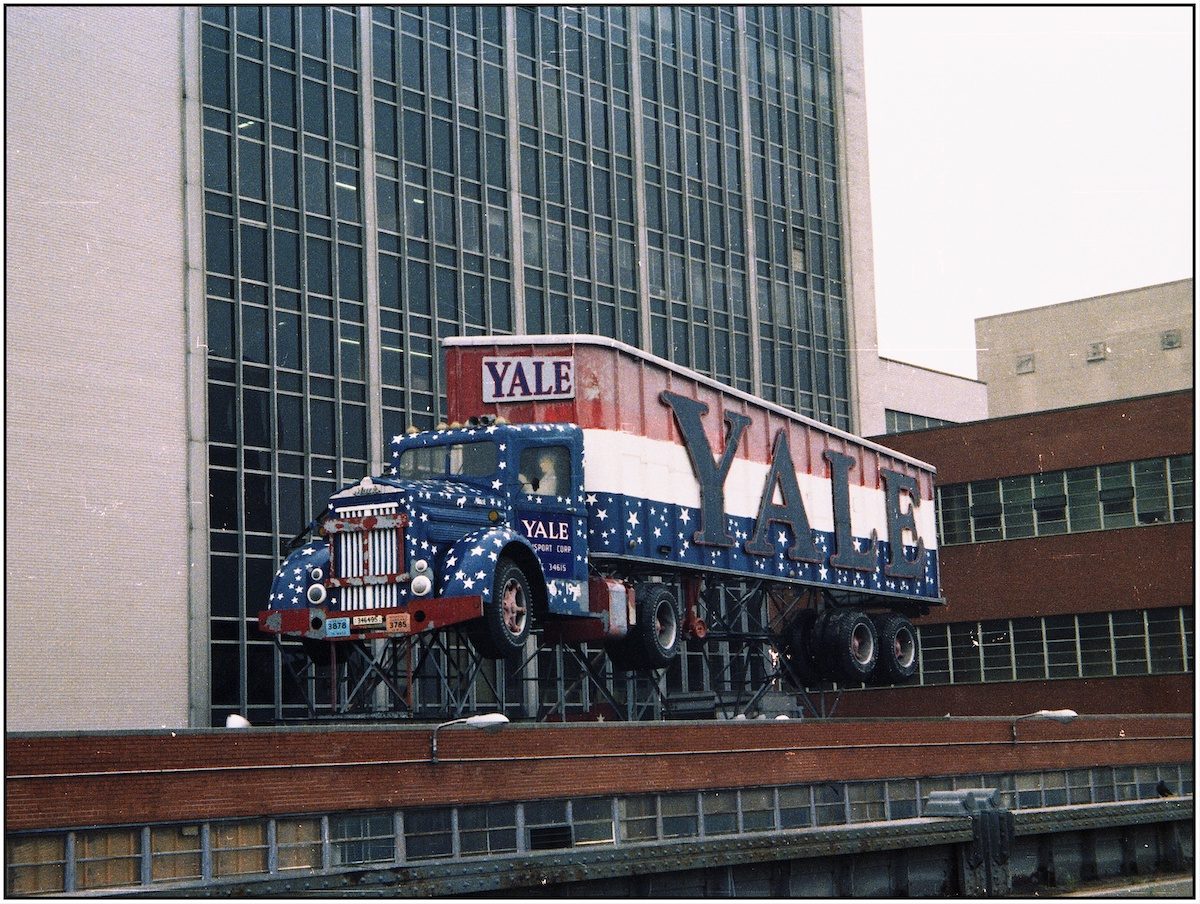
<point>367,545</point>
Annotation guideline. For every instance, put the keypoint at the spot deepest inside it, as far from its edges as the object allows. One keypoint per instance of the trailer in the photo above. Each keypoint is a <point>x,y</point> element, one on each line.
<point>595,490</point>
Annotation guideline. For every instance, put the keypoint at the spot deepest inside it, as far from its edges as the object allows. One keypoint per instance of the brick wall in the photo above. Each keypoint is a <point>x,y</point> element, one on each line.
<point>1129,694</point>
<point>81,780</point>
<point>1099,571</point>
<point>1128,430</point>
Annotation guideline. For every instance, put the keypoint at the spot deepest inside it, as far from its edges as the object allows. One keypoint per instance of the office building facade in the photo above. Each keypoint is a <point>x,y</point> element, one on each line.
<point>295,204</point>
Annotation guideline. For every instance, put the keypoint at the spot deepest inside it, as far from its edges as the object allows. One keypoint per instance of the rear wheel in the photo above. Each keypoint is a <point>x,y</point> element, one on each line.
<point>654,639</point>
<point>504,627</point>
<point>850,646</point>
<point>897,648</point>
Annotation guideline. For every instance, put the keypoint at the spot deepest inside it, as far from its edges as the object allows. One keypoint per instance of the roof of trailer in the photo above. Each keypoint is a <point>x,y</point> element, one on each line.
<point>617,345</point>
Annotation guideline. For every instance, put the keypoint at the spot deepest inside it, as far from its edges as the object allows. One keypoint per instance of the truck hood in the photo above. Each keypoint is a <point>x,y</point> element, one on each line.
<point>419,495</point>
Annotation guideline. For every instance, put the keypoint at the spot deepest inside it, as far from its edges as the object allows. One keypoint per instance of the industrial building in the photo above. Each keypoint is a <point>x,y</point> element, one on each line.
<point>1067,549</point>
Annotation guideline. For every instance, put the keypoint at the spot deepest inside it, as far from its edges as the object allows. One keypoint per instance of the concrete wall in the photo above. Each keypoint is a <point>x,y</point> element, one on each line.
<point>866,411</point>
<point>918,390</point>
<point>96,428</point>
<point>1060,337</point>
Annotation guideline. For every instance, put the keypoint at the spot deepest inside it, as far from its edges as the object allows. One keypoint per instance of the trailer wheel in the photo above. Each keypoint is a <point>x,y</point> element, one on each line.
<point>897,648</point>
<point>798,649</point>
<point>851,646</point>
<point>504,627</point>
<point>654,640</point>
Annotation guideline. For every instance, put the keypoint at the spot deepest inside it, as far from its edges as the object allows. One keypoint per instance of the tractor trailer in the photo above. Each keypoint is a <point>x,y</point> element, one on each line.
<point>590,488</point>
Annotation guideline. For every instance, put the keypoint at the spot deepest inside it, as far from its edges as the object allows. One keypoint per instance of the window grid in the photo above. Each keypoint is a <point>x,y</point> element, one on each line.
<point>901,421</point>
<point>107,857</point>
<point>1132,642</point>
<point>1104,497</point>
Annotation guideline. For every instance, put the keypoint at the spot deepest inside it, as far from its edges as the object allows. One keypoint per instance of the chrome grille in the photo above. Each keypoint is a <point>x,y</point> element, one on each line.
<point>364,554</point>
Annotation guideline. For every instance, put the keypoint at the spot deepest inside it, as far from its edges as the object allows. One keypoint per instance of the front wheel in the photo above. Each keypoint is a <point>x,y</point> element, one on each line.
<point>502,631</point>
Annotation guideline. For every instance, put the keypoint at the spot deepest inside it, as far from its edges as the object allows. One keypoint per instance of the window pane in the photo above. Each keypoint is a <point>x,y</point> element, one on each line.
<point>758,810</point>
<point>1129,642</point>
<point>1116,496</point>
<point>299,843</point>
<point>427,833</point>
<point>108,858</point>
<point>830,804</point>
<point>1050,503</point>
<point>1166,641</point>
<point>1083,499</point>
<point>1061,651</point>
<point>985,509</point>
<point>362,838</point>
<point>955,512</point>
<point>1027,642</point>
<point>36,864</point>
<point>1095,644</point>
<point>1018,507</point>
<point>935,654</point>
<point>964,646</point>
<point>638,818</point>
<point>795,807</point>
<point>239,847</point>
<point>679,816</point>
<point>1181,487</point>
<point>997,651</point>
<point>1150,488</point>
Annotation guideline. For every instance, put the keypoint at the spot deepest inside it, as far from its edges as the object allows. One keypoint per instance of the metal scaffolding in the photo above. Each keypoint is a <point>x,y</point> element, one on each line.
<point>735,668</point>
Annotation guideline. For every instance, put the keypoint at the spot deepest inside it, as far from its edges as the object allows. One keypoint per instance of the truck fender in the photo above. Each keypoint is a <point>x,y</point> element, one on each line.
<point>305,568</point>
<point>470,566</point>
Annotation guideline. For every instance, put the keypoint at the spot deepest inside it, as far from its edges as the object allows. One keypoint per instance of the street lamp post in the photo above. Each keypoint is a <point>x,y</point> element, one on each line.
<point>1062,716</point>
<point>488,721</point>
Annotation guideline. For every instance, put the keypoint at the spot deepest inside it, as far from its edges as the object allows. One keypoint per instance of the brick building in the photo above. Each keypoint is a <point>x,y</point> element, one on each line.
<point>1067,546</point>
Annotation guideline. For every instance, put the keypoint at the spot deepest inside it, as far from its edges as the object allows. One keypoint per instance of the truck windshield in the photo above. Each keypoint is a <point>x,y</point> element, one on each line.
<point>456,460</point>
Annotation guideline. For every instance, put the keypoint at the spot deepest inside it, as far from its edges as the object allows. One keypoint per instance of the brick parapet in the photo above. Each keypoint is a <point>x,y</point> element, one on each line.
<point>83,780</point>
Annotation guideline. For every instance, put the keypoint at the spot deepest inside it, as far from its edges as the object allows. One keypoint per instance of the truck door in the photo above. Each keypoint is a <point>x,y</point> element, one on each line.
<point>550,514</point>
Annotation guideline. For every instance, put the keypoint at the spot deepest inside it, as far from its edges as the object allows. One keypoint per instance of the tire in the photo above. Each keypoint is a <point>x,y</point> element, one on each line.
<point>502,631</point>
<point>798,650</point>
<point>897,648</point>
<point>655,638</point>
<point>850,646</point>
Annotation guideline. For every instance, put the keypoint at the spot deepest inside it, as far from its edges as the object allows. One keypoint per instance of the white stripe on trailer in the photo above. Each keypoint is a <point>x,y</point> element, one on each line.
<point>632,465</point>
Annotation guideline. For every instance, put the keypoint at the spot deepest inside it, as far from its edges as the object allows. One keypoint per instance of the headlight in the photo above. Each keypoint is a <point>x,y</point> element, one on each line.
<point>316,594</point>
<point>421,585</point>
<point>316,574</point>
<point>420,566</point>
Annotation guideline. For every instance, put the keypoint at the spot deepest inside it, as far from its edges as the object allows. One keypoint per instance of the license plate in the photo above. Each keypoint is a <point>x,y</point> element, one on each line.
<point>366,621</point>
<point>337,627</point>
<point>398,623</point>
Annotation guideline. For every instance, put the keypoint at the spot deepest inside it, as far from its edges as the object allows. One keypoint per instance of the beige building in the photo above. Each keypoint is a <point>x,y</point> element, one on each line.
<point>1116,346</point>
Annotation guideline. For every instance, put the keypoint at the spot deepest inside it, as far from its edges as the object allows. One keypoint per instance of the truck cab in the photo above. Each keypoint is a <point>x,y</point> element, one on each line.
<point>482,523</point>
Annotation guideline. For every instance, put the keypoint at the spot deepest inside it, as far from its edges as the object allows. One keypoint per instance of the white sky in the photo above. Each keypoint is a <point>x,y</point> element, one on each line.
<point>1022,156</point>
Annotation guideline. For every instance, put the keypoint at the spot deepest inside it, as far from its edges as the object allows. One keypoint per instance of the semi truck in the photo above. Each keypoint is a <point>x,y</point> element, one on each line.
<point>591,489</point>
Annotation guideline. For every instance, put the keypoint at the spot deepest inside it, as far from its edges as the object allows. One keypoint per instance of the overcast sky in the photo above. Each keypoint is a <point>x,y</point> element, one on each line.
<point>1022,156</point>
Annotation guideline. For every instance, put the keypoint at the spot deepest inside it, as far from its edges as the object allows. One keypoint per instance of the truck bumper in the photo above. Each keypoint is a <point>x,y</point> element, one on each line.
<point>369,624</point>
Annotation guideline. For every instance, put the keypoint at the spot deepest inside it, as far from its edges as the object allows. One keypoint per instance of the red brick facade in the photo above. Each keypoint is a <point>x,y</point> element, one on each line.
<point>1099,571</point>
<point>1126,430</point>
<point>82,780</point>
<point>1131,694</point>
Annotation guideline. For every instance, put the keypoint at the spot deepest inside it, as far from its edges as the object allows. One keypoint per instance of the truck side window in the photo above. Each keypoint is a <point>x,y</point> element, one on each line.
<point>546,471</point>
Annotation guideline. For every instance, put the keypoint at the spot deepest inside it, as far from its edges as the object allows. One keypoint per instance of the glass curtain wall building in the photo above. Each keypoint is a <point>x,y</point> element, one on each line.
<point>376,179</point>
